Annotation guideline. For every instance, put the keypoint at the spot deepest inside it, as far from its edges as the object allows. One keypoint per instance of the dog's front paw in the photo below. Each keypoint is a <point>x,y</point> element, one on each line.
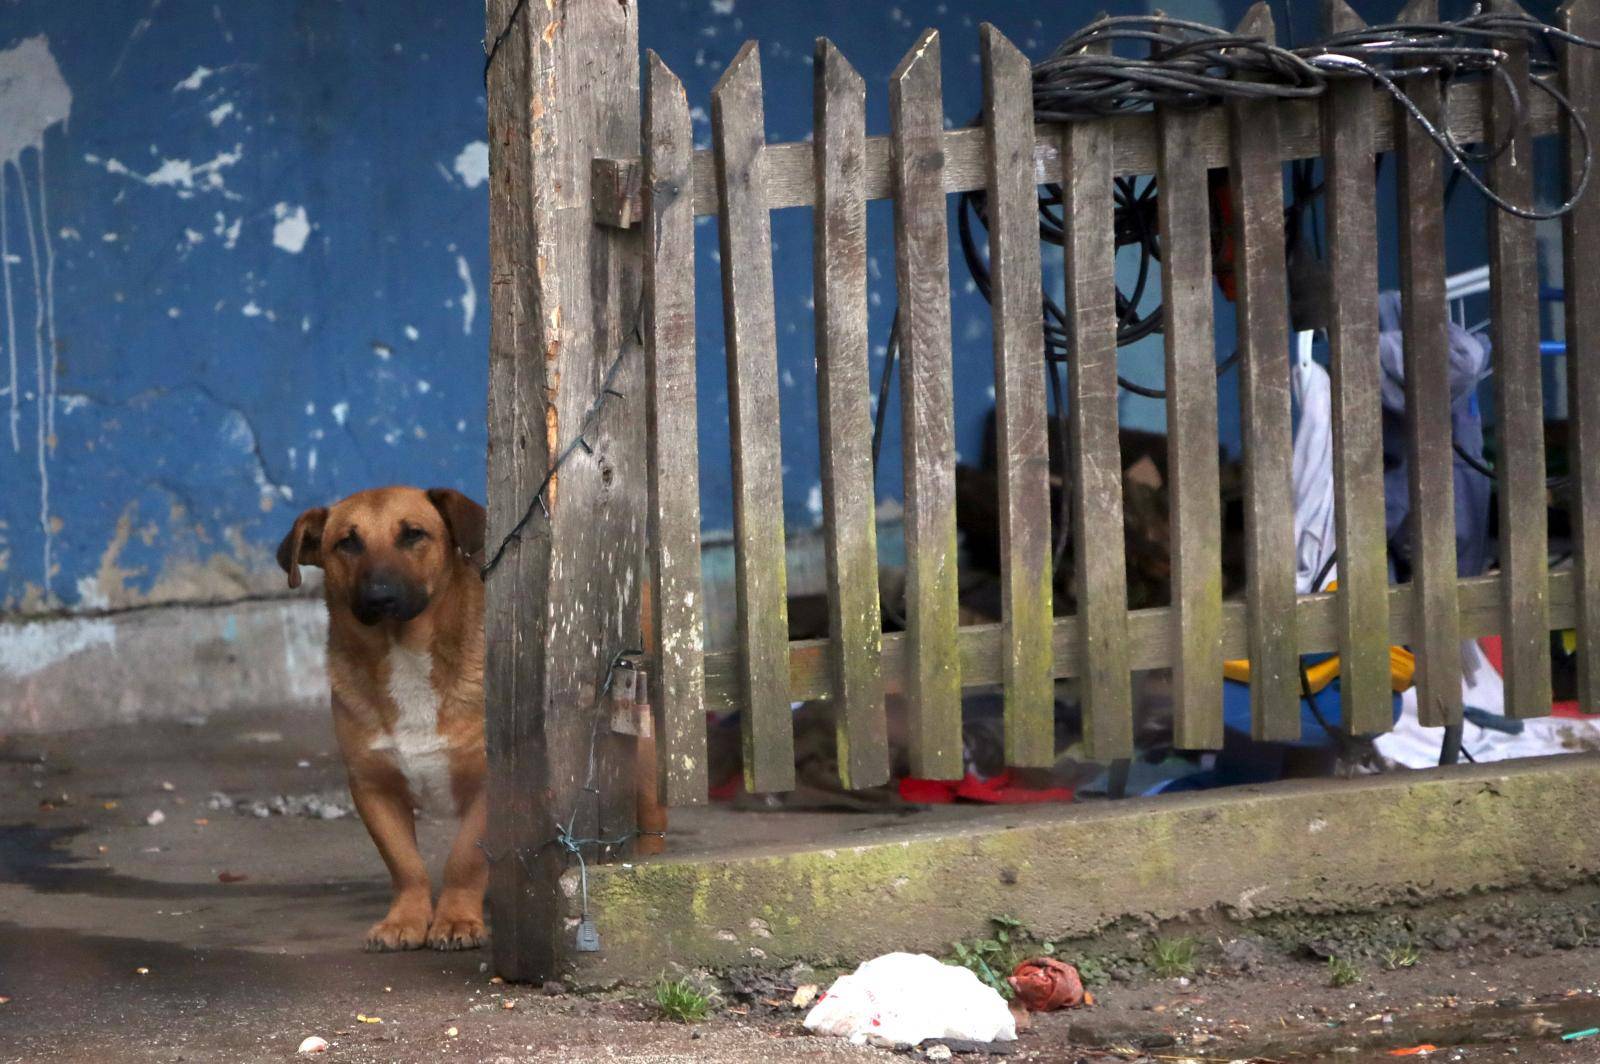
<point>398,932</point>
<point>450,932</point>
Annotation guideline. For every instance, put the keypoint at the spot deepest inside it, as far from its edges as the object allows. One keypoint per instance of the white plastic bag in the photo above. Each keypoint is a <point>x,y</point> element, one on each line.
<point>910,997</point>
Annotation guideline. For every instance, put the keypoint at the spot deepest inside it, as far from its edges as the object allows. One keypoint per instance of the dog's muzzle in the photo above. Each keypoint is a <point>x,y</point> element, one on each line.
<point>384,596</point>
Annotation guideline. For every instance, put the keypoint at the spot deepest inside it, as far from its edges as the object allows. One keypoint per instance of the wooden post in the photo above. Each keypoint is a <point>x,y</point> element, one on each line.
<point>563,88</point>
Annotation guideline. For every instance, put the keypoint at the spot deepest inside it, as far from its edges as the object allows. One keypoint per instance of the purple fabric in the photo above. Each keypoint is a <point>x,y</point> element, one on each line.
<point>1469,361</point>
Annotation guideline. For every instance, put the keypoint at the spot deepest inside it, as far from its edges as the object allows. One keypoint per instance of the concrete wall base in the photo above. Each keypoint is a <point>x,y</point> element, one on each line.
<point>161,663</point>
<point>1323,847</point>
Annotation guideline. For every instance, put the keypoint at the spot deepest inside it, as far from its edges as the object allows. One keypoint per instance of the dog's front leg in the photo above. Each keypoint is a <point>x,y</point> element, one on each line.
<point>458,920</point>
<point>386,810</point>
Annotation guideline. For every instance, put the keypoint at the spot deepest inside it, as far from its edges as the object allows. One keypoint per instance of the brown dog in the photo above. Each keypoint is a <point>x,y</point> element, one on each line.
<point>405,663</point>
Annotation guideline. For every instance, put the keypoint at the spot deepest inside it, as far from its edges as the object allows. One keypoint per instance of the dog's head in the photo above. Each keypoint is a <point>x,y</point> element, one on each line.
<point>387,552</point>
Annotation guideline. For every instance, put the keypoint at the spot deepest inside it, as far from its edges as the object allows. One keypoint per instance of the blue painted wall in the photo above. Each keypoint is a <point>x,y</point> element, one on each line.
<point>246,265</point>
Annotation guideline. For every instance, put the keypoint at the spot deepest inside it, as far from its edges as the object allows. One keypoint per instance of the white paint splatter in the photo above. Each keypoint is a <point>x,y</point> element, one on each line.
<point>423,387</point>
<point>469,295</point>
<point>722,7</point>
<point>185,175</point>
<point>251,310</point>
<point>220,113</point>
<point>472,164</point>
<point>194,237</point>
<point>195,80</point>
<point>27,648</point>
<point>33,97</point>
<point>340,411</point>
<point>292,228</point>
<point>382,350</point>
<point>228,232</point>
<point>411,333</point>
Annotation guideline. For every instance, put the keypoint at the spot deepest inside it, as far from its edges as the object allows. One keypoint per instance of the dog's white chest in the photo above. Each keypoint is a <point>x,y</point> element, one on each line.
<point>419,751</point>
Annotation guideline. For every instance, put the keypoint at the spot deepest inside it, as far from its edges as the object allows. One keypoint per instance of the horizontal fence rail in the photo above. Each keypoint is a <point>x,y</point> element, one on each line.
<point>791,182</point>
<point>926,668</point>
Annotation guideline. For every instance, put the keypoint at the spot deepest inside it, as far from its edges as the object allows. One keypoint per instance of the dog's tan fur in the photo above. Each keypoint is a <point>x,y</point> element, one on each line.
<point>389,673</point>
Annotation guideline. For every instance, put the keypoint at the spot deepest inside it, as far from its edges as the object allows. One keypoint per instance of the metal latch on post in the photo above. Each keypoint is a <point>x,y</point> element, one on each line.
<point>630,702</point>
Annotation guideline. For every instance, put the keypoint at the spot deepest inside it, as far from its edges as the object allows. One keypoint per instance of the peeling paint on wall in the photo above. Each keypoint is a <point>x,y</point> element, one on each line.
<point>27,648</point>
<point>33,98</point>
<point>292,228</point>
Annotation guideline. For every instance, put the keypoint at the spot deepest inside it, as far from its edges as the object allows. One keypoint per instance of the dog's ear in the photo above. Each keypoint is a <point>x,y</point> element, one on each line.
<point>303,544</point>
<point>467,521</point>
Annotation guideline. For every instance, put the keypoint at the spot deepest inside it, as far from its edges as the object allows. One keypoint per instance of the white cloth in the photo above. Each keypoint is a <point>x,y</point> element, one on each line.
<point>1412,745</point>
<point>1314,528</point>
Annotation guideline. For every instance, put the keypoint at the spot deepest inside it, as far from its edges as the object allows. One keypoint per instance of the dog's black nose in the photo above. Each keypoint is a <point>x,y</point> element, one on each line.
<point>387,595</point>
<point>380,596</point>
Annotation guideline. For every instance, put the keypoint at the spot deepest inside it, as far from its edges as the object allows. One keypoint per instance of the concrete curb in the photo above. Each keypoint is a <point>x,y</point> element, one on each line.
<point>1327,846</point>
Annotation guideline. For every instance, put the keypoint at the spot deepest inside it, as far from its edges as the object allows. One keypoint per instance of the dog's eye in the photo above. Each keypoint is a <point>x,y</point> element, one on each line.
<point>350,544</point>
<point>410,537</point>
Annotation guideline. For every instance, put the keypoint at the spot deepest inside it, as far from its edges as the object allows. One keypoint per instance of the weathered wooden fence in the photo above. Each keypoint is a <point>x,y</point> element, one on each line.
<point>570,192</point>
<point>744,178</point>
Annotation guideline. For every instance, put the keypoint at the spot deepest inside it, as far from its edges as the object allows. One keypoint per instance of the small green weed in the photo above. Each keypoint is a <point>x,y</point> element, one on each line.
<point>1172,957</point>
<point>1342,972</point>
<point>992,959</point>
<point>1400,957</point>
<point>682,1001</point>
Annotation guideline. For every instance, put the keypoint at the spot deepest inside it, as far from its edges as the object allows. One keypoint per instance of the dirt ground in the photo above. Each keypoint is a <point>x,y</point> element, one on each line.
<point>231,930</point>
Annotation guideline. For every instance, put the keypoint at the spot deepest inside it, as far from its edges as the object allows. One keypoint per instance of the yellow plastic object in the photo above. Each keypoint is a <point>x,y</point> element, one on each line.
<point>1402,667</point>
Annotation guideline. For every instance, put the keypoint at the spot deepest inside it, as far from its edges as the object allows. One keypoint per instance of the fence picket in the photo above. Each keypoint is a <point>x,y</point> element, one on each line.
<point>845,422</point>
<point>1348,117</point>
<point>673,444</point>
<point>1195,501</point>
<point>1100,575</point>
<point>1021,423</point>
<point>1519,401</point>
<point>738,129</point>
<point>1263,301</point>
<point>922,271</point>
<point>1424,318</point>
<point>1581,231</point>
